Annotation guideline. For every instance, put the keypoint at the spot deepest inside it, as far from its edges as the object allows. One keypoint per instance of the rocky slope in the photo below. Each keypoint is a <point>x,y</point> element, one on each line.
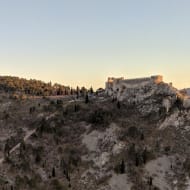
<point>65,143</point>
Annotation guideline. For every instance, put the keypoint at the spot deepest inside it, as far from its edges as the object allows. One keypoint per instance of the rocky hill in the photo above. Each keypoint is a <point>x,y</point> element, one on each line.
<point>136,143</point>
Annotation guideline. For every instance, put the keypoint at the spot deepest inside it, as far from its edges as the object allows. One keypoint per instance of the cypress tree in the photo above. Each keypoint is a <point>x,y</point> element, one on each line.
<point>86,99</point>
<point>122,167</point>
<point>53,172</point>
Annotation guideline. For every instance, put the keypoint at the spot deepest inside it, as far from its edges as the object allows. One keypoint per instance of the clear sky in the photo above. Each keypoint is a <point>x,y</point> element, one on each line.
<point>82,42</point>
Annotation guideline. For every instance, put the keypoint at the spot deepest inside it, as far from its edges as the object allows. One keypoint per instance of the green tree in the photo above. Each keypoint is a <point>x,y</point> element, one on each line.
<point>122,167</point>
<point>86,99</point>
<point>118,105</point>
<point>91,90</point>
<point>53,172</point>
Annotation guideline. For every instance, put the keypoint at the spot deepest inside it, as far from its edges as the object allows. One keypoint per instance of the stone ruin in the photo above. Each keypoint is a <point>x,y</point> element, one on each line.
<point>142,91</point>
<point>116,85</point>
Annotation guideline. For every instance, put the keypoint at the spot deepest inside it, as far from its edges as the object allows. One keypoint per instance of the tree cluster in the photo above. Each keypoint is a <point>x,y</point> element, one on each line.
<point>32,86</point>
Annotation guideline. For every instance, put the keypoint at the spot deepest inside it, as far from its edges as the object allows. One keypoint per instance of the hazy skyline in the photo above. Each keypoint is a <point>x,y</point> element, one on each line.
<point>82,42</point>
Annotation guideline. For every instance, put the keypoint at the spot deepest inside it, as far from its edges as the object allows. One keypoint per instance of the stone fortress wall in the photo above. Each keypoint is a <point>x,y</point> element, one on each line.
<point>140,89</point>
<point>114,85</point>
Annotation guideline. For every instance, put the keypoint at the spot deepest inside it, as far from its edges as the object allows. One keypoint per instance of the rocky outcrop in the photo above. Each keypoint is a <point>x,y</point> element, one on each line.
<point>151,95</point>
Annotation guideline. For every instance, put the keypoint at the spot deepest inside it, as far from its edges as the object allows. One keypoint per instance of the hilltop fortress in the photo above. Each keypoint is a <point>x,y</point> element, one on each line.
<point>115,85</point>
<point>146,91</point>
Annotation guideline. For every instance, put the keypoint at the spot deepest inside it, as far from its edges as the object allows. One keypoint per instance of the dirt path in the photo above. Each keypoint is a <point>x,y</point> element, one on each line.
<point>28,135</point>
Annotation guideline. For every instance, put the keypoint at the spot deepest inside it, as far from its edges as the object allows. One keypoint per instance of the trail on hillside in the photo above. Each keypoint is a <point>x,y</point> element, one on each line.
<point>28,135</point>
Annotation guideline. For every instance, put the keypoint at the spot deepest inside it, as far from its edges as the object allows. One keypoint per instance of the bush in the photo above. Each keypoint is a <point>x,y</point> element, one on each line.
<point>133,132</point>
<point>59,102</point>
<point>56,184</point>
<point>100,117</point>
<point>186,166</point>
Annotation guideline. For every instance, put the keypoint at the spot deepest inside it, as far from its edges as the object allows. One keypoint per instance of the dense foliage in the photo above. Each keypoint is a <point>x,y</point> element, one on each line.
<point>32,87</point>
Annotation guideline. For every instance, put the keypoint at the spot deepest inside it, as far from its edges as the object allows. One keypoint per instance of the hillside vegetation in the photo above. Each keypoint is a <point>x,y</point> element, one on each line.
<point>94,142</point>
<point>31,87</point>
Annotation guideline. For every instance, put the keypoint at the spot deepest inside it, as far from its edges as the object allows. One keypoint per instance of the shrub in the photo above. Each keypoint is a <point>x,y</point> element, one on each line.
<point>186,166</point>
<point>56,184</point>
<point>100,117</point>
<point>133,132</point>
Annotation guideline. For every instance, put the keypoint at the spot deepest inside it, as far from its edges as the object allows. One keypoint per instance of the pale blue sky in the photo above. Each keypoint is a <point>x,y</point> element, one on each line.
<point>82,42</point>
